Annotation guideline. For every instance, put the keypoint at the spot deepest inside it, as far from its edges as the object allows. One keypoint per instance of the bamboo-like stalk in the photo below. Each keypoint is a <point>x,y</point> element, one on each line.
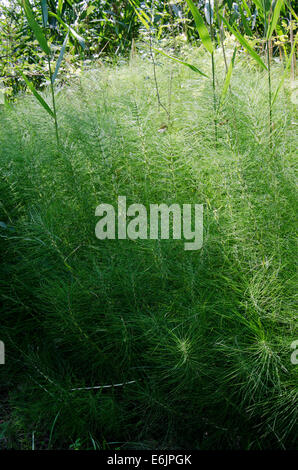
<point>292,43</point>
<point>269,93</point>
<point>160,104</point>
<point>52,93</point>
<point>213,85</point>
<point>221,34</point>
<point>53,102</point>
<point>267,45</point>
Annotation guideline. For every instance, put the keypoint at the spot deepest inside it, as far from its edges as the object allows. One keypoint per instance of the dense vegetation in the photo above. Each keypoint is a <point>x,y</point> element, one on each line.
<point>140,344</point>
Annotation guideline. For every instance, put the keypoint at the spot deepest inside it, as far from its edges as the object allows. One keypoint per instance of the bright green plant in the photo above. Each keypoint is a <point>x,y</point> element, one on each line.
<point>42,40</point>
<point>205,335</point>
<point>269,13</point>
<point>208,44</point>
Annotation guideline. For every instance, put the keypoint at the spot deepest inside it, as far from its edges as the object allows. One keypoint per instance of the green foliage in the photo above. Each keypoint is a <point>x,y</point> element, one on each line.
<point>179,61</point>
<point>202,30</point>
<point>35,27</point>
<point>228,78</point>
<point>105,28</point>
<point>244,43</point>
<point>204,337</point>
<point>38,96</point>
<point>138,344</point>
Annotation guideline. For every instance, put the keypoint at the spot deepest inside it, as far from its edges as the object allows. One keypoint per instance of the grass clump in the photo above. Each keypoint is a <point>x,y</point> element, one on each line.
<point>200,339</point>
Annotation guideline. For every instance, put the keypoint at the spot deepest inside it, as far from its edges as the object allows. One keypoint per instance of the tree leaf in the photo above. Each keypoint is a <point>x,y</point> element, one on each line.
<point>60,57</point>
<point>192,67</point>
<point>38,96</point>
<point>35,27</point>
<point>244,43</point>
<point>202,29</point>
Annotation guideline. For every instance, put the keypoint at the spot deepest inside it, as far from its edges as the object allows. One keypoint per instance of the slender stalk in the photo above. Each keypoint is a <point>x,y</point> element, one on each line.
<point>269,93</point>
<point>160,104</point>
<point>54,103</point>
<point>213,86</point>
<point>221,34</point>
<point>53,94</point>
<point>214,96</point>
<point>266,24</point>
<point>292,42</point>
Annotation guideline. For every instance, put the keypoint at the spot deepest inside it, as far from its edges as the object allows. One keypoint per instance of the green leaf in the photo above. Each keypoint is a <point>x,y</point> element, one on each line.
<point>258,4</point>
<point>90,10</point>
<point>202,29</point>
<point>60,6</point>
<point>228,78</point>
<point>38,96</point>
<point>35,27</point>
<point>192,67</point>
<point>246,7</point>
<point>244,43</point>
<point>70,29</point>
<point>285,71</point>
<point>274,19</point>
<point>60,58</point>
<point>44,9</point>
<point>141,15</point>
<point>245,22</point>
<point>292,11</point>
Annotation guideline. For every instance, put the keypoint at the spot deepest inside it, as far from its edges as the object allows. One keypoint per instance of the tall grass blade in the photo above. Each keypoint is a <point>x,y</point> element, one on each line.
<point>38,96</point>
<point>141,15</point>
<point>228,78</point>
<point>60,6</point>
<point>202,30</point>
<point>274,18</point>
<point>246,7</point>
<point>291,10</point>
<point>245,22</point>
<point>35,27</point>
<point>45,15</point>
<point>244,43</point>
<point>60,58</point>
<point>259,5</point>
<point>74,34</point>
<point>192,67</point>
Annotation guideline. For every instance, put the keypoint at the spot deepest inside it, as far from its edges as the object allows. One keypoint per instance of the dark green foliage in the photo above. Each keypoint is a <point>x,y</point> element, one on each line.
<point>204,336</point>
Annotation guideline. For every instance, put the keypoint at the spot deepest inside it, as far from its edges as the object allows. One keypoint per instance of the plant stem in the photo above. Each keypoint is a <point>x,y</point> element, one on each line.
<point>266,24</point>
<point>54,103</point>
<point>269,94</point>
<point>213,86</point>
<point>221,34</point>
<point>53,95</point>
<point>214,96</point>
<point>292,42</point>
<point>160,104</point>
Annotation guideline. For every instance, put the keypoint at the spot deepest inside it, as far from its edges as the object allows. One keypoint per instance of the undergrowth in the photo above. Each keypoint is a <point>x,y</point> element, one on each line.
<point>204,337</point>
